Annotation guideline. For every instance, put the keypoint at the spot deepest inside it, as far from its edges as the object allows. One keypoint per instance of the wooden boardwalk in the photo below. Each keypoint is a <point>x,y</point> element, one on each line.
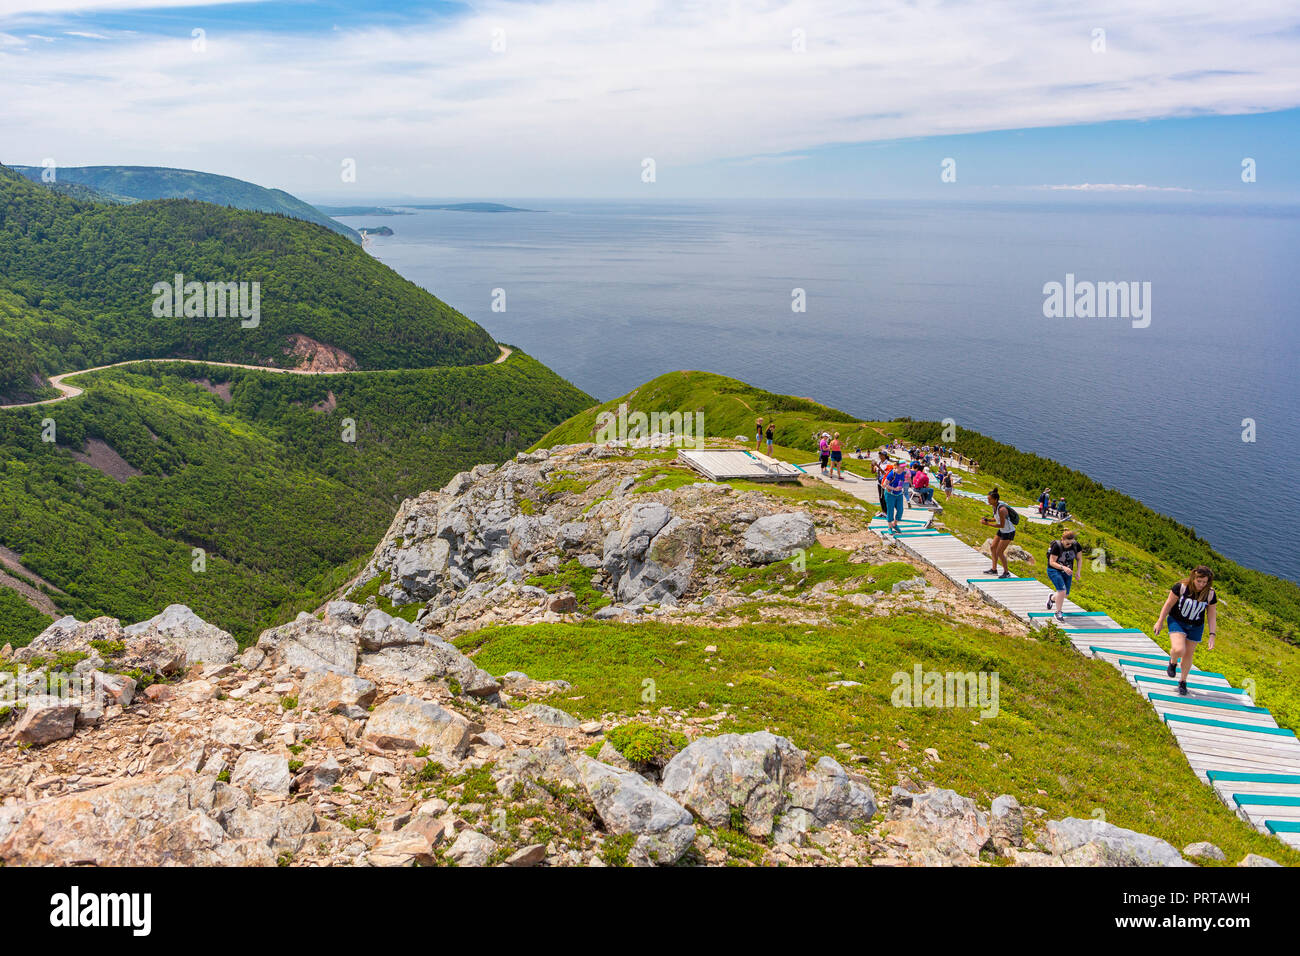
<point>1232,745</point>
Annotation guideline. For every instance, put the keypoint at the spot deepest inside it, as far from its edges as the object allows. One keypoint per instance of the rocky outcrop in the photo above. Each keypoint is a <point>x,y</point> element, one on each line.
<point>1097,843</point>
<point>777,537</point>
<point>179,625</point>
<point>409,723</point>
<point>628,804</point>
<point>173,820</point>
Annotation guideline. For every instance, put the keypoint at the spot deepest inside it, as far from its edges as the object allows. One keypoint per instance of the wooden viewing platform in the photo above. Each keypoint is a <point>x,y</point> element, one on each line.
<point>724,464</point>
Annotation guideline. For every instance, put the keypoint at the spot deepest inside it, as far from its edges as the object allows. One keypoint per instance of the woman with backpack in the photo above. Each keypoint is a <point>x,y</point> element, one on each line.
<point>1005,520</point>
<point>1189,607</point>
<point>895,489</point>
<point>1064,567</point>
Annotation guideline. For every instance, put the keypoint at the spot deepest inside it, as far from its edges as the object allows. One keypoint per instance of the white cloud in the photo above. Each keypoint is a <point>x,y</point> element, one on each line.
<point>585,90</point>
<point>1121,187</point>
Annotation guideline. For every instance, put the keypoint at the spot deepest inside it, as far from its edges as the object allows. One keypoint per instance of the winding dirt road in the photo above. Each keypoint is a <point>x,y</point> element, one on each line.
<point>71,391</point>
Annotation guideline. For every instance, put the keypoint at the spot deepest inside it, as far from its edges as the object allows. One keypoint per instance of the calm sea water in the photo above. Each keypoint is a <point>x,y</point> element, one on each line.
<point>932,310</point>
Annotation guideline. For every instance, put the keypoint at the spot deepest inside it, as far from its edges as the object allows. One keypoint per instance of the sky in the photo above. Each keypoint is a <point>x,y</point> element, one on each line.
<point>752,98</point>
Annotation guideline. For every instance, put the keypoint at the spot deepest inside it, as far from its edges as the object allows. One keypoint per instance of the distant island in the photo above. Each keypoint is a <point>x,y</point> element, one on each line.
<point>362,211</point>
<point>473,207</point>
<point>375,231</point>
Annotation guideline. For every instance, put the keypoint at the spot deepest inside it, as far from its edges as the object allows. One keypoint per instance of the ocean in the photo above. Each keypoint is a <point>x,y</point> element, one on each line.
<point>931,310</point>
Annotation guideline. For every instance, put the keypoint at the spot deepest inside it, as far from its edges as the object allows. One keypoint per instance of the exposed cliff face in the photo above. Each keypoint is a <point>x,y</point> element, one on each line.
<point>642,539</point>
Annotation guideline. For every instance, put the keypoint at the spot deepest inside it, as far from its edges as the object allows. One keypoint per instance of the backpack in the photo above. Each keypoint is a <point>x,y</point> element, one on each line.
<point>1012,513</point>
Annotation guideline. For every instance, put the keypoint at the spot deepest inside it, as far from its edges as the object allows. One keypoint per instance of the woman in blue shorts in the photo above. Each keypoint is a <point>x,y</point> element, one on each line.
<point>1189,607</point>
<point>1063,565</point>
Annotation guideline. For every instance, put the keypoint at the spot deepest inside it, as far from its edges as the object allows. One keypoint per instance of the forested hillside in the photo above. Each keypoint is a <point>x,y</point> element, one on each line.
<point>263,481</point>
<point>118,183</point>
<point>77,279</point>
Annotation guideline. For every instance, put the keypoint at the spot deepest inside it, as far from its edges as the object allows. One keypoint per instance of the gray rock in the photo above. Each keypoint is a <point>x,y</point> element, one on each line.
<point>409,723</point>
<point>472,849</point>
<point>1254,859</point>
<point>309,645</point>
<point>664,573</point>
<point>1097,843</point>
<point>776,537</point>
<point>265,773</point>
<point>325,690</point>
<point>420,570</point>
<point>344,612</point>
<point>237,731</point>
<point>750,771</point>
<point>529,856</point>
<point>551,716</point>
<point>1007,822</point>
<point>627,803</point>
<point>1204,851</point>
<point>829,795</point>
<point>200,640</point>
<point>911,584</point>
<point>940,827</point>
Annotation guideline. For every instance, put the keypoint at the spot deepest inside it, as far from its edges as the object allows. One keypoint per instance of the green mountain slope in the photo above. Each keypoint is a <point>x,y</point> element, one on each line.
<point>1145,551</point>
<point>77,280</point>
<point>262,481</point>
<point>113,183</point>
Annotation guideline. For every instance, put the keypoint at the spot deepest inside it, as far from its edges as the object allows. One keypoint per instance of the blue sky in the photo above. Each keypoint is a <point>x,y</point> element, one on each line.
<point>743,98</point>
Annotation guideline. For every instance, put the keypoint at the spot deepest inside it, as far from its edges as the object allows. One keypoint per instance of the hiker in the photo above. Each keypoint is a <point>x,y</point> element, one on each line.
<point>1044,502</point>
<point>1062,556</point>
<point>1189,606</point>
<point>824,450</point>
<point>758,434</point>
<point>880,467</point>
<point>771,433</point>
<point>895,489</point>
<point>1005,520</point>
<point>837,458</point>
<point>921,482</point>
<point>947,485</point>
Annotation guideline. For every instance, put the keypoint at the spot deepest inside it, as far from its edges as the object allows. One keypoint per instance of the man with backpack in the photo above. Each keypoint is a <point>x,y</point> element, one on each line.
<point>1063,564</point>
<point>1005,518</point>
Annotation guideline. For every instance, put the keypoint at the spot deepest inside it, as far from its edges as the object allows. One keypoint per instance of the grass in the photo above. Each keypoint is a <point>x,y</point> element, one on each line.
<point>572,576</point>
<point>818,565</point>
<point>1066,725</point>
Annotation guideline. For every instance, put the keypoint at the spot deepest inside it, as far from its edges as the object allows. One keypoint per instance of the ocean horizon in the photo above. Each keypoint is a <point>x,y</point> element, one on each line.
<point>932,310</point>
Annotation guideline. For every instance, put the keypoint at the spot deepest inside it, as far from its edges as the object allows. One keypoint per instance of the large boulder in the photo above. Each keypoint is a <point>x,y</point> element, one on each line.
<point>748,771</point>
<point>67,635</point>
<point>398,650</point>
<point>420,569</point>
<point>325,690</point>
<point>409,723</point>
<point>140,821</point>
<point>824,795</point>
<point>777,537</point>
<point>664,573</point>
<point>940,828</point>
<point>47,718</point>
<point>311,645</point>
<point>201,641</point>
<point>1098,843</point>
<point>630,541</point>
<point>627,803</point>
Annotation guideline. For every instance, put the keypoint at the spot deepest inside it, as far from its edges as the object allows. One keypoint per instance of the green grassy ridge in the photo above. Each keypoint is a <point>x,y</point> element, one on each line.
<point>76,284</point>
<point>1071,726</point>
<point>19,621</point>
<point>285,509</point>
<point>729,407</point>
<point>125,184</point>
